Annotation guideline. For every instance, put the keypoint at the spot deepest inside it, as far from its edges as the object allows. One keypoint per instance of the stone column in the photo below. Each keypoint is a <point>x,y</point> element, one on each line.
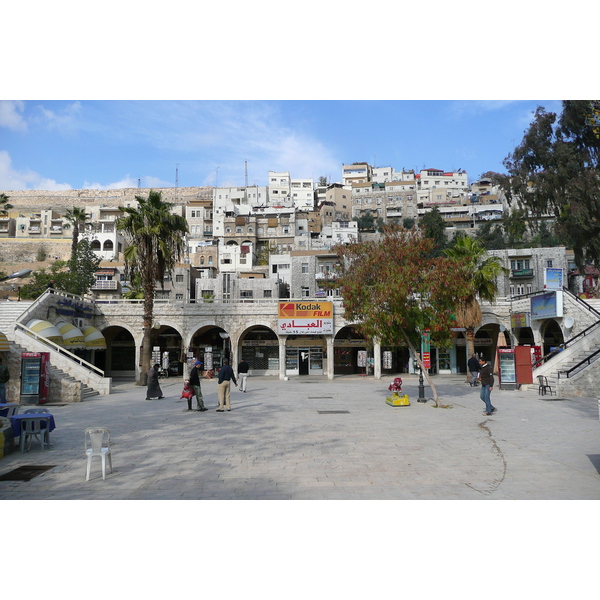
<point>330,355</point>
<point>282,340</point>
<point>377,359</point>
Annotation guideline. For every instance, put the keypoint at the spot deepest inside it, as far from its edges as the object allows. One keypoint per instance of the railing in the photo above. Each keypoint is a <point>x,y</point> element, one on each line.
<point>218,300</point>
<point>60,349</point>
<point>105,284</point>
<point>581,365</point>
<point>521,273</point>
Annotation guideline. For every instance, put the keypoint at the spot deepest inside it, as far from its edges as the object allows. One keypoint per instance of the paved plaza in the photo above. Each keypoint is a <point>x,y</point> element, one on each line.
<point>311,438</point>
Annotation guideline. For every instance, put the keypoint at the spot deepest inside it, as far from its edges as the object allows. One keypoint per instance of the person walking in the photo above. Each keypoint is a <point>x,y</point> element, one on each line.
<point>226,376</point>
<point>487,383</point>
<point>474,368</point>
<point>153,392</point>
<point>243,369</point>
<point>4,378</point>
<point>195,383</point>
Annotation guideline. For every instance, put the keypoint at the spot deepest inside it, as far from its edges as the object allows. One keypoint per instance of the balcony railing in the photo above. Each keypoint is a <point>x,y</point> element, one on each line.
<point>105,284</point>
<point>520,273</point>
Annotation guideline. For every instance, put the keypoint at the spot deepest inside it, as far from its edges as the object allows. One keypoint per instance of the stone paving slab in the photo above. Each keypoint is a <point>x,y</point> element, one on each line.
<point>275,445</point>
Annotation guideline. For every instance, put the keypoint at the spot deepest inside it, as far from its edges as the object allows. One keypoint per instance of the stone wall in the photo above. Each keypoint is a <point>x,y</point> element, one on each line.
<point>62,200</point>
<point>20,251</point>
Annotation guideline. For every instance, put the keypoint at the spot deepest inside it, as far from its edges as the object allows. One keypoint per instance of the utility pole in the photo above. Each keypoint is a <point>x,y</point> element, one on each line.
<point>246,172</point>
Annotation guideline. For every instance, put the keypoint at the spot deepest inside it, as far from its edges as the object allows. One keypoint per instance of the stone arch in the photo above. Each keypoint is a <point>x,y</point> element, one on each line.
<point>347,343</point>
<point>259,345</point>
<point>552,336</point>
<point>108,245</point>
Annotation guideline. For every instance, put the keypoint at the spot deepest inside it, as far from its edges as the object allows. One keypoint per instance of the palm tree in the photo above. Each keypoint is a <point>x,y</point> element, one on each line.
<point>155,243</point>
<point>4,205</point>
<point>77,218</point>
<point>484,270</point>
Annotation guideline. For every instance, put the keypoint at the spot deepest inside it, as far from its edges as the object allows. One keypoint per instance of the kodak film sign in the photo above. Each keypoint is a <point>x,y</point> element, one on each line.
<point>305,318</point>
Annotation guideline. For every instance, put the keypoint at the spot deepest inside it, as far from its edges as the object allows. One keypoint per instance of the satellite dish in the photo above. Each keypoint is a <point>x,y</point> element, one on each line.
<point>569,322</point>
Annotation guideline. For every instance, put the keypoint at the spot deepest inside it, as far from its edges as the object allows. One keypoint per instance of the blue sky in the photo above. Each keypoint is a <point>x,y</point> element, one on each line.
<point>64,144</point>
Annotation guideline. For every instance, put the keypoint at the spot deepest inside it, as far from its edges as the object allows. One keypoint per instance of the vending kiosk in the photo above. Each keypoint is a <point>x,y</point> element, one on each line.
<point>514,367</point>
<point>35,377</point>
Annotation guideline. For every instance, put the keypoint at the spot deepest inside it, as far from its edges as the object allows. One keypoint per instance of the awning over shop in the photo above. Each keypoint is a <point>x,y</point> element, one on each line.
<point>72,336</point>
<point>46,330</point>
<point>4,346</point>
<point>93,338</point>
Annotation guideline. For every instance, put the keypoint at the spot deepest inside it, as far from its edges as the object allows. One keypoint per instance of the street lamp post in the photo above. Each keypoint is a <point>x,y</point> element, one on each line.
<point>18,275</point>
<point>421,386</point>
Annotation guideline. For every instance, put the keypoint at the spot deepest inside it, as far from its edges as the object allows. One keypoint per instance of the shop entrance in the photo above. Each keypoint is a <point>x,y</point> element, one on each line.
<point>303,362</point>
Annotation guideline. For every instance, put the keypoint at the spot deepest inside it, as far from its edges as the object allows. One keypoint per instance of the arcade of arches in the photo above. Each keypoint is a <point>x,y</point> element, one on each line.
<point>345,353</point>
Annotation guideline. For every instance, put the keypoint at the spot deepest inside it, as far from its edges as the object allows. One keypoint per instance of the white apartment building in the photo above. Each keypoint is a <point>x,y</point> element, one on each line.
<point>279,189</point>
<point>303,194</point>
<point>356,173</point>
<point>106,241</point>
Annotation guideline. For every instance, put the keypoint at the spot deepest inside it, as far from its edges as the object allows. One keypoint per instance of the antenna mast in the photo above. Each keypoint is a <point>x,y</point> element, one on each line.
<point>246,171</point>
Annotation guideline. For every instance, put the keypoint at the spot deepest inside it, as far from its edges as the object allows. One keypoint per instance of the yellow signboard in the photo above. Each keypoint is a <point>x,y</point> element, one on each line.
<point>305,318</point>
<point>305,310</point>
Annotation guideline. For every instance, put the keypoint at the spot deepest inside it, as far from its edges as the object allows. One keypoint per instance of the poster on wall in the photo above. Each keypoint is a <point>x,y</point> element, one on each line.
<point>547,306</point>
<point>361,359</point>
<point>387,360</point>
<point>553,279</point>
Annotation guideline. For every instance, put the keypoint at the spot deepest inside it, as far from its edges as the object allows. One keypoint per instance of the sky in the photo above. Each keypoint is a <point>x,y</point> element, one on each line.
<point>104,144</point>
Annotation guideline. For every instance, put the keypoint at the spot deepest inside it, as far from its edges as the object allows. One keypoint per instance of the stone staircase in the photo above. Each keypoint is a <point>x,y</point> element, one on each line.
<point>9,315</point>
<point>65,386</point>
<point>584,382</point>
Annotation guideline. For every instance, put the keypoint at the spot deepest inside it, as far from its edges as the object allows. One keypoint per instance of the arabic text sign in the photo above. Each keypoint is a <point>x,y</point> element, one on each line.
<point>305,326</point>
<point>547,306</point>
<point>305,318</point>
<point>305,310</point>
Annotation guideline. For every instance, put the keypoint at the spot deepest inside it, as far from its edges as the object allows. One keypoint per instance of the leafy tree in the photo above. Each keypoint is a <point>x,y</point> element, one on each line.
<point>491,236</point>
<point>57,272</point>
<point>136,290</point>
<point>555,170</point>
<point>545,237</point>
<point>396,290</point>
<point>77,218</point>
<point>366,222</point>
<point>514,225</point>
<point>81,270</point>
<point>5,206</point>
<point>434,227</point>
<point>408,223</point>
<point>483,271</point>
<point>155,243</point>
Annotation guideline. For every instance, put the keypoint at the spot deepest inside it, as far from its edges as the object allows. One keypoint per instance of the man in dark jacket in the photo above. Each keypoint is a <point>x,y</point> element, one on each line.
<point>487,383</point>
<point>473,366</point>
<point>226,376</point>
<point>195,383</point>
<point>243,369</point>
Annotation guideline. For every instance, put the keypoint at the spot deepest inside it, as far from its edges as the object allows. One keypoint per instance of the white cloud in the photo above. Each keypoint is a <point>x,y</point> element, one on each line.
<point>10,115</point>
<point>65,120</point>
<point>24,180</point>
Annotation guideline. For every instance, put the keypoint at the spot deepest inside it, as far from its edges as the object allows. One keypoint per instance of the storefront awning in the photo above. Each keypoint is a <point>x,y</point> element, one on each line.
<point>72,336</point>
<point>46,329</point>
<point>4,346</point>
<point>93,338</point>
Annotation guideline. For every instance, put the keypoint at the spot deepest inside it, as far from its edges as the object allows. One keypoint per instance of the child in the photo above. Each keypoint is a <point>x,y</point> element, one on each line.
<point>188,393</point>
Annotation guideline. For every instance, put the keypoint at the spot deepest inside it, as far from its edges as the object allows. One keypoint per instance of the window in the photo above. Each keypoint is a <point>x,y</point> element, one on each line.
<point>304,267</point>
<point>511,290</point>
<point>529,288</point>
<point>238,230</point>
<point>549,263</point>
<point>178,296</point>
<point>304,292</point>
<point>267,294</point>
<point>227,229</point>
<point>178,278</point>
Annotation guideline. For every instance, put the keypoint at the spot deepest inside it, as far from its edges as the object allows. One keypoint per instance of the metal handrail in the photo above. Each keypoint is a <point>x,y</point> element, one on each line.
<point>60,349</point>
<point>582,301</point>
<point>585,362</point>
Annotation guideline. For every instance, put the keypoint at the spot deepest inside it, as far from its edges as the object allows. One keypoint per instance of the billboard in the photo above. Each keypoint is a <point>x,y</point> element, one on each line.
<point>547,306</point>
<point>553,279</point>
<point>305,318</point>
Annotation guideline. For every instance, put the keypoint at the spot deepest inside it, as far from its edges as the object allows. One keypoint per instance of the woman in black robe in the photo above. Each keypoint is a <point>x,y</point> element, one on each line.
<point>154,392</point>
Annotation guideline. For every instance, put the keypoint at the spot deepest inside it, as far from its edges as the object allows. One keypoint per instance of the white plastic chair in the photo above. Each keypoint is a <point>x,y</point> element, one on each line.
<point>38,411</point>
<point>94,441</point>
<point>11,411</point>
<point>32,427</point>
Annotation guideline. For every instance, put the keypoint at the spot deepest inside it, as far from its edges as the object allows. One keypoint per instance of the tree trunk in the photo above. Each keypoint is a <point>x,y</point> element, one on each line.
<point>470,348</point>
<point>147,339</point>
<point>424,370</point>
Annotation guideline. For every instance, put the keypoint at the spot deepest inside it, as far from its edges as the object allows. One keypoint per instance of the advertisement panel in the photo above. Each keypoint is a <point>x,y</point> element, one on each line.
<point>305,318</point>
<point>547,306</point>
<point>519,320</point>
<point>553,279</point>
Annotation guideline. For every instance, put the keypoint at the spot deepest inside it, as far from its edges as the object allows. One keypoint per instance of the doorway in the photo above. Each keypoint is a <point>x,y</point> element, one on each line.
<point>303,362</point>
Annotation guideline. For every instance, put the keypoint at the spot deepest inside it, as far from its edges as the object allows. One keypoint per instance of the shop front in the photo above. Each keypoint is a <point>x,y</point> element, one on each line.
<point>304,326</point>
